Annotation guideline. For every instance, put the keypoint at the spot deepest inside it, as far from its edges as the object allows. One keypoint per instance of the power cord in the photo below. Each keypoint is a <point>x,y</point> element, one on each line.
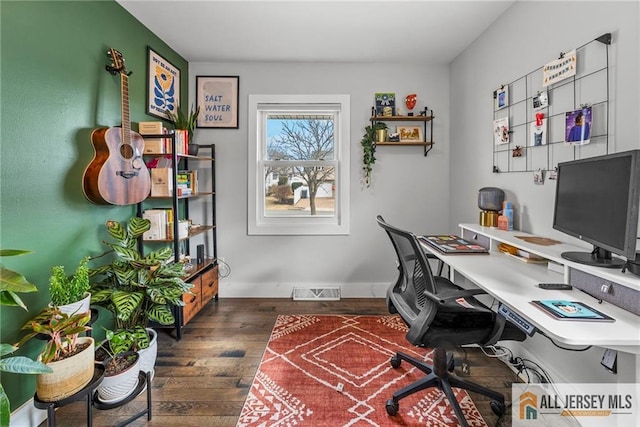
<point>561,347</point>
<point>521,365</point>
<point>224,269</point>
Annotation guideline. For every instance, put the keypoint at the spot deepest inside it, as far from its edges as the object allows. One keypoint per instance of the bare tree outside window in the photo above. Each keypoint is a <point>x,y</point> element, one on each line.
<point>296,149</point>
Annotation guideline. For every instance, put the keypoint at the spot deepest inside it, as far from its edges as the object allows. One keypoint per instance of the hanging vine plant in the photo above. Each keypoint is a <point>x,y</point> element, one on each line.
<point>369,149</point>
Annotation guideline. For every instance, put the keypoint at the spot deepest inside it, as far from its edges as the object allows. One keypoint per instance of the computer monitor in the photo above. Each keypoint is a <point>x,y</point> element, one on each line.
<point>597,200</point>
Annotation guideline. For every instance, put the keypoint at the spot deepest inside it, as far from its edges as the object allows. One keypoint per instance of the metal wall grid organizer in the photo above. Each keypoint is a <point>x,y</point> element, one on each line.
<point>589,86</point>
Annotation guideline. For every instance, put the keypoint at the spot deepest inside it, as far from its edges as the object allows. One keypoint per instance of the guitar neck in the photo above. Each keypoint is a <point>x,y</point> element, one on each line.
<point>126,123</point>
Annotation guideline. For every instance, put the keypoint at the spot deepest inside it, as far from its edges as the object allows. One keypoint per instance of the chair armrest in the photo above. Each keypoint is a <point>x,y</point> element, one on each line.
<point>449,291</point>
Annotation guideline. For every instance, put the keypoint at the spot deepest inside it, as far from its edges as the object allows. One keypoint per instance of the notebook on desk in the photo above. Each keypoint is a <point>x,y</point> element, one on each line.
<point>452,244</point>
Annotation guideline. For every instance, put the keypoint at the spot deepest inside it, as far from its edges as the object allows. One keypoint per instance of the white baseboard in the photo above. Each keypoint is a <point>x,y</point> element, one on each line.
<point>27,415</point>
<point>285,290</point>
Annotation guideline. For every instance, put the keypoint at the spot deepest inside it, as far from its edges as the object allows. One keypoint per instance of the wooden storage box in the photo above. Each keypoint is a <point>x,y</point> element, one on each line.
<point>192,302</point>
<point>209,285</point>
<point>161,182</point>
<point>154,146</point>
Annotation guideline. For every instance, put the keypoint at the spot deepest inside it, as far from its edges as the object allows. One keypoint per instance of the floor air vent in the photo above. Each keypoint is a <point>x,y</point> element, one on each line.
<point>315,294</point>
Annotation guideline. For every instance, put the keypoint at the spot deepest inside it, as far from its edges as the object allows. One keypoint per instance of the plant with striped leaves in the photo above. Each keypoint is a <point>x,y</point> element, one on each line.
<point>137,288</point>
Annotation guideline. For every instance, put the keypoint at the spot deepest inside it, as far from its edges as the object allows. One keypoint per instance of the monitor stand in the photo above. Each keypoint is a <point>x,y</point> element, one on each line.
<point>598,258</point>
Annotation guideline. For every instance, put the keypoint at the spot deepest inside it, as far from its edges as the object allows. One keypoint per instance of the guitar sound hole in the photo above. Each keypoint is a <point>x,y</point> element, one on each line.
<point>126,151</point>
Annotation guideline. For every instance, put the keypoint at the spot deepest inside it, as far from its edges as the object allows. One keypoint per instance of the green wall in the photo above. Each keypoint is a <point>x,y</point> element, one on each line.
<point>54,91</point>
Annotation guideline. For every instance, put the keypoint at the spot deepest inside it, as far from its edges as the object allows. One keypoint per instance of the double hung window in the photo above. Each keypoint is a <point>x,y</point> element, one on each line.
<point>298,164</point>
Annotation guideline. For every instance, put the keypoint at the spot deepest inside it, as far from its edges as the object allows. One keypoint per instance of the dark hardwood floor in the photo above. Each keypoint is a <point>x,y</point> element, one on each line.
<point>203,379</point>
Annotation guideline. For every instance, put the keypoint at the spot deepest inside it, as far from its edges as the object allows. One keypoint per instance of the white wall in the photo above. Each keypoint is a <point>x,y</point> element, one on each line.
<point>527,36</point>
<point>408,189</point>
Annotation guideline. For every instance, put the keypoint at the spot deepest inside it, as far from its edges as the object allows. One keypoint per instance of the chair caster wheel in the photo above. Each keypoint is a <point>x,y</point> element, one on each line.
<point>497,408</point>
<point>392,407</point>
<point>395,362</point>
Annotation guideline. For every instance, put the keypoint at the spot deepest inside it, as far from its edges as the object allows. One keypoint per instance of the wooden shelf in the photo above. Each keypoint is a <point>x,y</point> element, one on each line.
<point>401,118</point>
<point>424,116</point>
<point>200,194</point>
<point>192,233</point>
<point>406,143</point>
<point>198,268</point>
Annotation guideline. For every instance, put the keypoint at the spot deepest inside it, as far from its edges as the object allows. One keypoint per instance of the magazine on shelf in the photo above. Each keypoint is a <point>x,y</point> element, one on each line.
<point>571,310</point>
<point>452,244</point>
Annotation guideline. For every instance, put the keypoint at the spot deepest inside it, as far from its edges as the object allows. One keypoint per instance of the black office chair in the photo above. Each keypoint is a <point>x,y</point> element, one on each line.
<point>439,314</point>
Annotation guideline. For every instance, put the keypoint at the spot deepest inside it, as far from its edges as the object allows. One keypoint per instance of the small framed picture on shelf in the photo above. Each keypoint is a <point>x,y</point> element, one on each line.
<point>385,104</point>
<point>410,133</point>
<point>501,97</point>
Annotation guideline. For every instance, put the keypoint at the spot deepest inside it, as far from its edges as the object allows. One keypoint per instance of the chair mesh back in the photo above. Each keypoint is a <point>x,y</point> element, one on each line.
<point>415,272</point>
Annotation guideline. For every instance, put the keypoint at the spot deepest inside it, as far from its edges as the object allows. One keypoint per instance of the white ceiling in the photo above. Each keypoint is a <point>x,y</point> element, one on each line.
<point>420,31</point>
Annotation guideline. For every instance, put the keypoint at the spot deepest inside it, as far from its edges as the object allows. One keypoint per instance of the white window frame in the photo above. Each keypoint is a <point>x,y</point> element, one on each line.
<point>258,223</point>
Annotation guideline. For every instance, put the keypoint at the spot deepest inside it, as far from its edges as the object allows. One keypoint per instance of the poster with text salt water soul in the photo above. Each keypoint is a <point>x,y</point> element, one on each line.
<point>217,97</point>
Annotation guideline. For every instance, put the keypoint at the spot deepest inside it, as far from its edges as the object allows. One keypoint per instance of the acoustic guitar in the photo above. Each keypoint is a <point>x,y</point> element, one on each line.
<point>117,174</point>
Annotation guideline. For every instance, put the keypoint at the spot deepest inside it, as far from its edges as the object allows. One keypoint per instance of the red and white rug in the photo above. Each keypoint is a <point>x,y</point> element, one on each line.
<point>335,371</point>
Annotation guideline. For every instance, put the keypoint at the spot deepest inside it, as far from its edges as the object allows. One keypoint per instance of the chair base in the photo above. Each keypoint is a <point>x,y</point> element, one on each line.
<point>438,375</point>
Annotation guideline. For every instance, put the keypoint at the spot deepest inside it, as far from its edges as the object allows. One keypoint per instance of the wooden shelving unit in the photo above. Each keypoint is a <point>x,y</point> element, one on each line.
<point>204,275</point>
<point>425,117</point>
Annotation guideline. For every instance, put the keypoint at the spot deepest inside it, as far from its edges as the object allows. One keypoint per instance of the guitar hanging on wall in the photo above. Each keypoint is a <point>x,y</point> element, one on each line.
<point>117,174</point>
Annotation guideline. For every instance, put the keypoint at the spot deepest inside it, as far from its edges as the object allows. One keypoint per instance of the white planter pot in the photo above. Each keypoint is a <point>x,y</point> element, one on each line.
<point>69,375</point>
<point>115,388</point>
<point>81,306</point>
<point>148,355</point>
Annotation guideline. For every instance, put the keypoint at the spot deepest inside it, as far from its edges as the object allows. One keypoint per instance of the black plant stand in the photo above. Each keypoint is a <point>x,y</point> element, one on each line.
<point>91,395</point>
<point>144,378</point>
<point>85,393</point>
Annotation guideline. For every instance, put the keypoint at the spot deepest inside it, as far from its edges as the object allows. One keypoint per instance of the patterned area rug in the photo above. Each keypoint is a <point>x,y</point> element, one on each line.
<point>335,371</point>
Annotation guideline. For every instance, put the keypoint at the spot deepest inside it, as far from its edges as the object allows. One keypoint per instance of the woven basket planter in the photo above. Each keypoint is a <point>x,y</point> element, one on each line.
<point>69,375</point>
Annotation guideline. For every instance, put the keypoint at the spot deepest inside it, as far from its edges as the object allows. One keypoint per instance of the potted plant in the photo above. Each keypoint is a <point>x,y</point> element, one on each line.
<point>70,357</point>
<point>138,289</point>
<point>187,122</point>
<point>70,293</point>
<point>121,369</point>
<point>12,283</point>
<point>368,144</point>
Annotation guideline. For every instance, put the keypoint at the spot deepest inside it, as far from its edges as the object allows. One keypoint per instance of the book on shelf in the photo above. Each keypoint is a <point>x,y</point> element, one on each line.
<point>182,141</point>
<point>158,220</point>
<point>183,183</point>
<point>452,244</point>
<point>571,310</point>
<point>161,224</point>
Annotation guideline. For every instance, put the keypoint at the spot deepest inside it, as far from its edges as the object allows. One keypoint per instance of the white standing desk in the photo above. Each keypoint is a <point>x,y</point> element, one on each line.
<point>514,283</point>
